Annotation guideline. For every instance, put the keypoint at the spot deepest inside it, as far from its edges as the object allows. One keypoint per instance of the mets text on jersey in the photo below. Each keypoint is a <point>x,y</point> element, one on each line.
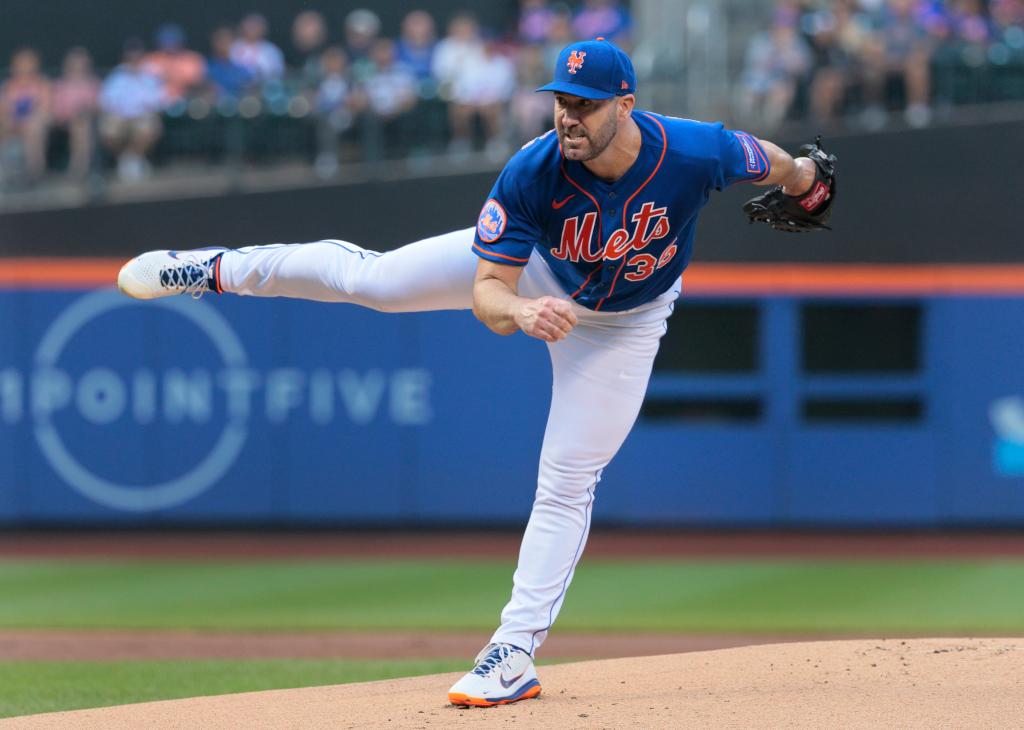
<point>576,241</point>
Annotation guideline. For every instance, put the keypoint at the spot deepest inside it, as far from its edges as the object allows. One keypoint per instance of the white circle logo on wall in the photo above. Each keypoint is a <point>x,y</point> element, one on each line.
<point>137,497</point>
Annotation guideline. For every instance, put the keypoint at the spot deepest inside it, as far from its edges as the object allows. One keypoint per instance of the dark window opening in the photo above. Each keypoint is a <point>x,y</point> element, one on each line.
<point>705,410</point>
<point>863,410</point>
<point>705,338</point>
<point>861,338</point>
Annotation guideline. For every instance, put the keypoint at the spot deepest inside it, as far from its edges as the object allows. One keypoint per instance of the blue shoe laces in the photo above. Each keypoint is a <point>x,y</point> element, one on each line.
<point>494,657</point>
<point>191,277</point>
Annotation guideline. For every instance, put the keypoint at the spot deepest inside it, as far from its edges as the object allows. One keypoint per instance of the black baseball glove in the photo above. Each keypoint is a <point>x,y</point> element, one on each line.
<point>799,213</point>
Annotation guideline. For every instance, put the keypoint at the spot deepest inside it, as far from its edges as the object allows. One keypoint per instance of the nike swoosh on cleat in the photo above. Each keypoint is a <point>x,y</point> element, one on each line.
<point>173,254</point>
<point>509,683</point>
<point>558,204</point>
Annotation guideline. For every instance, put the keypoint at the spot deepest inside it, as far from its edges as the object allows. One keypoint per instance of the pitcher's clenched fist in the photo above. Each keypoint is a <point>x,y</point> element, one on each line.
<point>548,318</point>
<point>496,303</point>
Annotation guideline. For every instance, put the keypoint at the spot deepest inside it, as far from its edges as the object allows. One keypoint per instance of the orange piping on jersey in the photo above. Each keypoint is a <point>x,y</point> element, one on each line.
<point>625,208</point>
<point>586,281</point>
<point>216,275</point>
<point>500,255</point>
<point>764,158</point>
<point>599,214</point>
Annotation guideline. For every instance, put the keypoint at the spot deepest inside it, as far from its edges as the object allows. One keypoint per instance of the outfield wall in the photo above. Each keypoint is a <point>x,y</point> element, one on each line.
<point>796,395</point>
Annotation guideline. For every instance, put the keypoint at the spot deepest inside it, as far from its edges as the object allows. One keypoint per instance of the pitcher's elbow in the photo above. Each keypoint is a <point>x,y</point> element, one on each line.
<point>499,327</point>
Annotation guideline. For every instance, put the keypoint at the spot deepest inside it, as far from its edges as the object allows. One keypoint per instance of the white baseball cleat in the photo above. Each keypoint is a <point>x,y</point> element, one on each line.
<point>503,674</point>
<point>163,273</point>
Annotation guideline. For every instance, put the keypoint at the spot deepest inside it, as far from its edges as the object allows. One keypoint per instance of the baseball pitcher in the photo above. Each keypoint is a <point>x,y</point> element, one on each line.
<point>581,243</point>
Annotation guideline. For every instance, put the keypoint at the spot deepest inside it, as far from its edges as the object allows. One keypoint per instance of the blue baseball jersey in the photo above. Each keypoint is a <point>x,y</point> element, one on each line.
<point>615,245</point>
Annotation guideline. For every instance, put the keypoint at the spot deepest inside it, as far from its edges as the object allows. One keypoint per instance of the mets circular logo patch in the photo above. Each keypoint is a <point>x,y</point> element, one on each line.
<point>492,221</point>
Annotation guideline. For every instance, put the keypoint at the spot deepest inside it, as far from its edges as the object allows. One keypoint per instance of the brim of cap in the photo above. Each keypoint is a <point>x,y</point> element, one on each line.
<point>585,92</point>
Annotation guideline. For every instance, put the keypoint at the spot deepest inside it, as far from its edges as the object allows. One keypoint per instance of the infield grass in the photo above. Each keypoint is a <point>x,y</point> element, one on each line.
<point>30,687</point>
<point>769,596</point>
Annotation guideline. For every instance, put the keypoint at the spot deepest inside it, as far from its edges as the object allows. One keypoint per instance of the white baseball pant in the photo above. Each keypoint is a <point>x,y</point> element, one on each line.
<point>600,375</point>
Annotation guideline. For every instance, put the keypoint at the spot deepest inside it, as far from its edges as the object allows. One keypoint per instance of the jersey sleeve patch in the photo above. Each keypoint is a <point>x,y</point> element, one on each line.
<point>507,229</point>
<point>754,157</point>
<point>492,222</point>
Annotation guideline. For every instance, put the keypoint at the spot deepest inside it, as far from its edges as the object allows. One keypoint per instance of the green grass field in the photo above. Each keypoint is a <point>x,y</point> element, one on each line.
<point>775,596</point>
<point>685,596</point>
<point>30,687</point>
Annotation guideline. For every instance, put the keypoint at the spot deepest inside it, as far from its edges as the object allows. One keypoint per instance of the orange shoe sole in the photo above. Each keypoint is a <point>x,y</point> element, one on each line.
<point>457,698</point>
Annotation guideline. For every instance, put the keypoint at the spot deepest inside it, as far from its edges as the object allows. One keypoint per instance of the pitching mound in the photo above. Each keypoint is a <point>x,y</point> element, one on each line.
<point>894,683</point>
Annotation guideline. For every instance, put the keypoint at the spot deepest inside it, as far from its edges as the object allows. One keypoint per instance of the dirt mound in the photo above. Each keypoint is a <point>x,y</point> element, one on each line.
<point>893,683</point>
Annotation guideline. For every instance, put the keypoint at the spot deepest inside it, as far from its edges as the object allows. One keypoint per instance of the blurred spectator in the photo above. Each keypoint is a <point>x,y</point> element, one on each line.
<point>253,52</point>
<point>130,100</point>
<point>391,91</point>
<point>461,47</point>
<point>971,21</point>
<point>457,55</point>
<point>25,114</point>
<point>1008,23</point>
<point>75,105</point>
<point>482,90</point>
<point>361,29</point>
<point>531,113</point>
<point>227,78</point>
<point>1007,51</point>
<point>336,105</point>
<point>416,47</point>
<point>181,70</point>
<point>309,35</point>
<point>898,56</point>
<point>535,18</point>
<point>560,35</point>
<point>776,62</point>
<point>969,62</point>
<point>837,36</point>
<point>605,18</point>
<point>392,87</point>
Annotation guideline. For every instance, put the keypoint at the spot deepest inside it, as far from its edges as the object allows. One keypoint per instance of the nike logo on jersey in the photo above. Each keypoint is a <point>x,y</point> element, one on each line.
<point>556,204</point>
<point>508,683</point>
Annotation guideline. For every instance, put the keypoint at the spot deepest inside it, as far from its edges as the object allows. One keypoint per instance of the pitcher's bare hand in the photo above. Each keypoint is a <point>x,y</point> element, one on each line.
<point>548,318</point>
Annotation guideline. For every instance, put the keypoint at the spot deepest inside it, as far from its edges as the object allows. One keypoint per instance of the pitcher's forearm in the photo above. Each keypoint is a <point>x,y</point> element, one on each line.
<point>795,175</point>
<point>495,304</point>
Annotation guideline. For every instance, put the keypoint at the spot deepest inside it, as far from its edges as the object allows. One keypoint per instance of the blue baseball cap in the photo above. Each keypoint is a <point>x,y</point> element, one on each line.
<point>595,69</point>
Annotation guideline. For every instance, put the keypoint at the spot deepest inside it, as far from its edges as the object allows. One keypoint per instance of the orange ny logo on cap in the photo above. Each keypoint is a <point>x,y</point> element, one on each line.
<point>575,61</point>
